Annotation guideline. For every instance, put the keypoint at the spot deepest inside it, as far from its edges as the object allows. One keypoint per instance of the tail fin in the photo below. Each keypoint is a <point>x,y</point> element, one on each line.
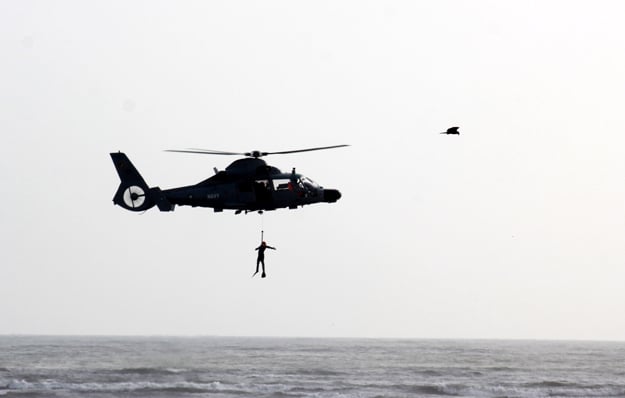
<point>133,193</point>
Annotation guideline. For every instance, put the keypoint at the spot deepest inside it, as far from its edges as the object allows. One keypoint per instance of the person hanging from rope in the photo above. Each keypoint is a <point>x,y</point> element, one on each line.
<point>261,257</point>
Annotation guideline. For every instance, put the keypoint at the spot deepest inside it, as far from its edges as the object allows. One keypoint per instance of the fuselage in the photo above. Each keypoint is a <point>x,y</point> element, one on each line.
<point>250,184</point>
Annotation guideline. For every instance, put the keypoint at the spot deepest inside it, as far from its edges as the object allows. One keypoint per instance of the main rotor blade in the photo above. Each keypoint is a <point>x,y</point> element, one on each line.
<point>306,150</point>
<point>204,151</point>
<point>255,154</point>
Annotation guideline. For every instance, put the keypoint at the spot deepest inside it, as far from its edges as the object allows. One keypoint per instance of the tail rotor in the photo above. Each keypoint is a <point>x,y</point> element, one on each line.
<point>134,196</point>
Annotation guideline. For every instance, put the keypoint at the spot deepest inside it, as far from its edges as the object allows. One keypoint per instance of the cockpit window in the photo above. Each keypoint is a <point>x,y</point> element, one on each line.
<point>309,182</point>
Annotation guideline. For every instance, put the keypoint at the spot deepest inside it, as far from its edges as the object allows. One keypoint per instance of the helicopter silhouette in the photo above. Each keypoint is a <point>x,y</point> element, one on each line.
<point>246,185</point>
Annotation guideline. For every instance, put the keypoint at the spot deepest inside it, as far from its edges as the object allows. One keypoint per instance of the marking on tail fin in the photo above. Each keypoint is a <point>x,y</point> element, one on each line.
<point>134,196</point>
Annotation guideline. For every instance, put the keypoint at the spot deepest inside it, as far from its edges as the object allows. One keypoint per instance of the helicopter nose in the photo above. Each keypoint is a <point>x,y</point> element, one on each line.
<point>331,195</point>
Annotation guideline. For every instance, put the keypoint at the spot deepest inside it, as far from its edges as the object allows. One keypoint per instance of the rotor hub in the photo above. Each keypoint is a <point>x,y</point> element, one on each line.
<point>256,154</point>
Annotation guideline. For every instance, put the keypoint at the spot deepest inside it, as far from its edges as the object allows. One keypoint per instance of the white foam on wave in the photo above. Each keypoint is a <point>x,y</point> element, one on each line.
<point>498,390</point>
<point>54,385</point>
<point>175,370</point>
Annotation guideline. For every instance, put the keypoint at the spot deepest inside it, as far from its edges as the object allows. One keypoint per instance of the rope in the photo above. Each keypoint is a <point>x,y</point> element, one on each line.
<point>262,227</point>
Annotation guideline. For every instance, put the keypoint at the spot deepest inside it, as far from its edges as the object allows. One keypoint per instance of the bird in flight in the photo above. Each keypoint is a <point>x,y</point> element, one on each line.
<point>452,130</point>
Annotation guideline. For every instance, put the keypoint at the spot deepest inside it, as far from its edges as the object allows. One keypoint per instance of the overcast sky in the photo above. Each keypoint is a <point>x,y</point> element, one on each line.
<point>514,229</point>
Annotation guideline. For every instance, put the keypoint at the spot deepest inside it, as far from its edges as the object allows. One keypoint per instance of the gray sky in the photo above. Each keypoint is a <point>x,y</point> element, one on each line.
<point>514,229</point>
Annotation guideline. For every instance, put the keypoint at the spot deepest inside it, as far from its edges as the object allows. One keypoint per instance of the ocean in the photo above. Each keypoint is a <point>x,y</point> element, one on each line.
<point>99,367</point>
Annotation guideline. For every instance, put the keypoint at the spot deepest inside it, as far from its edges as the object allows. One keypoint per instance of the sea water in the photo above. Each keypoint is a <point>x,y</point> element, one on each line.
<point>293,367</point>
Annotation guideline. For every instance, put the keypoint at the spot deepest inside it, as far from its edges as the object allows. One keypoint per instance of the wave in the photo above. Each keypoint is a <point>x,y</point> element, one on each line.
<point>570,389</point>
<point>315,372</point>
<point>546,388</point>
<point>552,384</point>
<point>431,389</point>
<point>116,387</point>
<point>437,389</point>
<point>148,371</point>
<point>500,369</point>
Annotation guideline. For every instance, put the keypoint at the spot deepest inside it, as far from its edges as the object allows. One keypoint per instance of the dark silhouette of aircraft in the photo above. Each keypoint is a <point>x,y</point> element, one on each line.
<point>248,184</point>
<point>452,130</point>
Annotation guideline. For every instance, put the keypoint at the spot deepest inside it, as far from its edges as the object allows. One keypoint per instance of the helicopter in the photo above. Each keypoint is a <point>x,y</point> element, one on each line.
<point>247,185</point>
